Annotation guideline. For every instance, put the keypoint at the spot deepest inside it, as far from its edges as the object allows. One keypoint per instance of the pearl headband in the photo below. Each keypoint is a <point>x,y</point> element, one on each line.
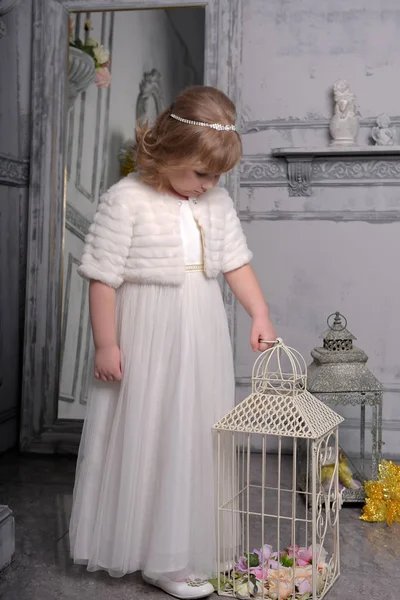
<point>216,126</point>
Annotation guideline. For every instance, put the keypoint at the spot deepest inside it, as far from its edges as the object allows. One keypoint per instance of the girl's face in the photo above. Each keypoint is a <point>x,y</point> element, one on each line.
<point>189,183</point>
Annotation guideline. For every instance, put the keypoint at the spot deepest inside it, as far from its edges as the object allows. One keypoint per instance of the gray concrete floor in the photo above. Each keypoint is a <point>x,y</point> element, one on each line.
<point>38,490</point>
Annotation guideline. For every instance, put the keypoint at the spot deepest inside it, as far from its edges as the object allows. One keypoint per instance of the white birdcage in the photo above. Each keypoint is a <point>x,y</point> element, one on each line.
<point>278,538</point>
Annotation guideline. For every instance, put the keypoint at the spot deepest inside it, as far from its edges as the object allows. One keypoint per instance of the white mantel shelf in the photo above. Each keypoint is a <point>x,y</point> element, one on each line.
<point>337,151</point>
<point>302,162</point>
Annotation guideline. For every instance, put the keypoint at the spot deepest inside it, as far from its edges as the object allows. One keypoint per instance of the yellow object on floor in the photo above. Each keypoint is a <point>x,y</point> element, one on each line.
<point>383,495</point>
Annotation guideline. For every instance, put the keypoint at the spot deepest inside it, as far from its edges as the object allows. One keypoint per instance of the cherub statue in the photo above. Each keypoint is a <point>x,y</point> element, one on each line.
<point>383,133</point>
<point>345,121</point>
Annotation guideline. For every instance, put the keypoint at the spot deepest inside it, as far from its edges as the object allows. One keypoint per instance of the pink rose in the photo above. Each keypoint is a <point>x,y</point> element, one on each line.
<point>258,572</point>
<point>304,556</point>
<point>292,551</point>
<point>103,77</point>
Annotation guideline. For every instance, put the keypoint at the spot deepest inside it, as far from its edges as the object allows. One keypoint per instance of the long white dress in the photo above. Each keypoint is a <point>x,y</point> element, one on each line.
<point>144,495</point>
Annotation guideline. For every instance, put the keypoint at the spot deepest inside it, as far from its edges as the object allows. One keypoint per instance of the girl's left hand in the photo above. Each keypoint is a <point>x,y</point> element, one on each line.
<point>262,329</point>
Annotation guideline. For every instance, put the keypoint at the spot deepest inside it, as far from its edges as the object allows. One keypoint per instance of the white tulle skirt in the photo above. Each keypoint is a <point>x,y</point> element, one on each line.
<point>144,495</point>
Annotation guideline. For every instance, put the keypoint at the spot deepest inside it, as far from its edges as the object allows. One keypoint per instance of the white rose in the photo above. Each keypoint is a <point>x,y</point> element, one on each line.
<point>244,589</point>
<point>91,42</point>
<point>321,553</point>
<point>102,55</point>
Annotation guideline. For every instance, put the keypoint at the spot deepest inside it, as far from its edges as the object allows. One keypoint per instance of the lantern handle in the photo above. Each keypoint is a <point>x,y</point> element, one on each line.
<point>338,316</point>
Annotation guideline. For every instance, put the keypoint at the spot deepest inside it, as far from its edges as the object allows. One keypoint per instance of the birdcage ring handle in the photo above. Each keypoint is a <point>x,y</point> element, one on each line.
<point>271,343</point>
<point>337,315</point>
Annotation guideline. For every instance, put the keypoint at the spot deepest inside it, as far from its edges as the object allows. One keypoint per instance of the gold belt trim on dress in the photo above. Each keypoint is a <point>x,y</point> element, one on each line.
<point>192,268</point>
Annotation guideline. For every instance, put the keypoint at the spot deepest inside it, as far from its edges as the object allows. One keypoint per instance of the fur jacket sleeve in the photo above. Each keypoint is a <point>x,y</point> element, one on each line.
<point>108,241</point>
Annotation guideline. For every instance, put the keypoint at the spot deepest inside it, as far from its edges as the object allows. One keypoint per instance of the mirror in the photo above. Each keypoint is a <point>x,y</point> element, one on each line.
<point>148,57</point>
<point>83,136</point>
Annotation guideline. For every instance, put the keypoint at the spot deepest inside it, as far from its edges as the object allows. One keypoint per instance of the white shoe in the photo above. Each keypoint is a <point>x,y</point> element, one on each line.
<point>190,588</point>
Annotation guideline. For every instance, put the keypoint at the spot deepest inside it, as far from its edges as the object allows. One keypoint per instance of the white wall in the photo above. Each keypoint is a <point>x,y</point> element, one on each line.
<point>310,263</point>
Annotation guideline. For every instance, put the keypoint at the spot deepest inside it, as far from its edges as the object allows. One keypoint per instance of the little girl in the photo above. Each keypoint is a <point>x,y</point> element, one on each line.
<point>144,493</point>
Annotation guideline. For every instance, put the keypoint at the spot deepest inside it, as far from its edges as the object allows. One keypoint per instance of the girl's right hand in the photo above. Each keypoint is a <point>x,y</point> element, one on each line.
<point>107,365</point>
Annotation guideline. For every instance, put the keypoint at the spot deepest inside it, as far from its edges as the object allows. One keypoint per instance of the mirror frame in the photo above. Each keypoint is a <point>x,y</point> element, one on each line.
<point>154,92</point>
<point>41,430</point>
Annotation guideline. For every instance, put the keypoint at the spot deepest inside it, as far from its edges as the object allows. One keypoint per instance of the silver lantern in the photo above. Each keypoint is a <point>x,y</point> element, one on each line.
<point>338,376</point>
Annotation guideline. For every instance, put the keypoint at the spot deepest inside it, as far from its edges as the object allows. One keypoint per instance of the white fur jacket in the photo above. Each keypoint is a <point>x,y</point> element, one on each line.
<point>135,236</point>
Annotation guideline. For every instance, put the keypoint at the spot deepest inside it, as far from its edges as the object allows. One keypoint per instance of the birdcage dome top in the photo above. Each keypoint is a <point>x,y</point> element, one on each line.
<point>281,369</point>
<point>279,403</point>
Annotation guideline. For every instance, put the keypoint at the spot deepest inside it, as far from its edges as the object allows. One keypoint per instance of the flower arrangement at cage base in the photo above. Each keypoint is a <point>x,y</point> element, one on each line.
<point>383,496</point>
<point>264,574</point>
<point>100,55</point>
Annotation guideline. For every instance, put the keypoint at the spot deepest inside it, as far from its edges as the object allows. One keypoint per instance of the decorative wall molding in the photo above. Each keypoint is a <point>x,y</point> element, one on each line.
<point>356,165</point>
<point>110,46</point>
<point>101,116</point>
<point>373,217</point>
<point>14,171</point>
<point>81,134</point>
<point>87,366</point>
<point>75,222</point>
<point>5,7</point>
<point>357,172</point>
<point>299,177</point>
<point>70,396</point>
<point>299,173</point>
<point>71,121</point>
<point>259,170</point>
<point>292,123</point>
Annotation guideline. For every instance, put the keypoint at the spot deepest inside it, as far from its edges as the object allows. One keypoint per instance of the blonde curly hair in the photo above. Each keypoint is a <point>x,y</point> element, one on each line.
<point>173,145</point>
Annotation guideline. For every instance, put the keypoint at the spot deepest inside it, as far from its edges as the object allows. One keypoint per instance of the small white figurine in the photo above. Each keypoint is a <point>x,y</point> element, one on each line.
<point>384,133</point>
<point>345,122</point>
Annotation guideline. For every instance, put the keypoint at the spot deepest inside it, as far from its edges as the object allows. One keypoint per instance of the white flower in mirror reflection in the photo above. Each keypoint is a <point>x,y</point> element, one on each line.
<point>101,54</point>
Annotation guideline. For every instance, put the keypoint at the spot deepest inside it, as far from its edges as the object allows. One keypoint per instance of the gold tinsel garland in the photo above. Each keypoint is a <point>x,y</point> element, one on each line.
<point>383,496</point>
